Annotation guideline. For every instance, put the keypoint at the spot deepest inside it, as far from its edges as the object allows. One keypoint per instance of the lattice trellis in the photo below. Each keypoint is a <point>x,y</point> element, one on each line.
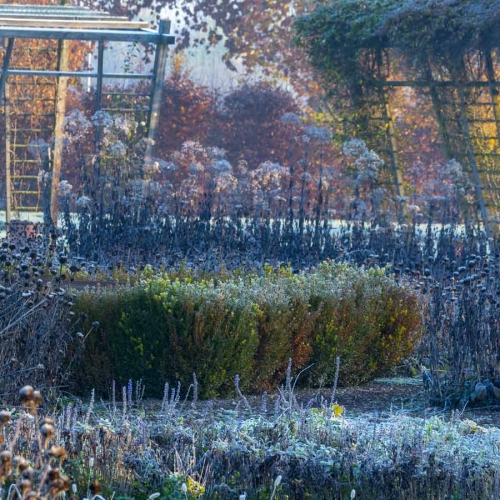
<point>467,112</point>
<point>44,89</point>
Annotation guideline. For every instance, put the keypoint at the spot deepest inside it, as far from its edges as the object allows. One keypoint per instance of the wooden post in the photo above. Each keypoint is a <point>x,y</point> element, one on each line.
<point>5,96</point>
<point>158,83</point>
<point>60,112</point>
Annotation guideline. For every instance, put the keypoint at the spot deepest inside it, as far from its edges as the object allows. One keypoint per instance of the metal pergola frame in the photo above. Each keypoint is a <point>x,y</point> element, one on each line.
<point>464,148</point>
<point>64,23</point>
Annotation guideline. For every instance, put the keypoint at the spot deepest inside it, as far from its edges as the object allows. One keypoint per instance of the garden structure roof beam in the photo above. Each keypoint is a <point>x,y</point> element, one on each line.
<point>79,74</point>
<point>436,83</point>
<point>107,35</point>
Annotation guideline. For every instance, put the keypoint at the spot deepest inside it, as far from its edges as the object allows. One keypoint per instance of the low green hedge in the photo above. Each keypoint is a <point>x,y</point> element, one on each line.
<point>168,328</point>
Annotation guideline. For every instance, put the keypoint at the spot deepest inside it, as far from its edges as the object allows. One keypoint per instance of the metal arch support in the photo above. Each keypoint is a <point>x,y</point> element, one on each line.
<point>472,160</point>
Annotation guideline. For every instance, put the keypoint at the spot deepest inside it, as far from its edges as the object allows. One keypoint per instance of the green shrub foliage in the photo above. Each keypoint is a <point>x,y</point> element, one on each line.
<point>168,328</point>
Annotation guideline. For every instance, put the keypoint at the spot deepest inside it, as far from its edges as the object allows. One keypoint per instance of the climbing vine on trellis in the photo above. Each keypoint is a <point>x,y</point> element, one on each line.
<point>341,38</point>
<point>447,48</point>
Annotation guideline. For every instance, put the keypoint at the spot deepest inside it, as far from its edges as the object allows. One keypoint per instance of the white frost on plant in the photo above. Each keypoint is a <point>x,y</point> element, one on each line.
<point>64,188</point>
<point>354,148</point>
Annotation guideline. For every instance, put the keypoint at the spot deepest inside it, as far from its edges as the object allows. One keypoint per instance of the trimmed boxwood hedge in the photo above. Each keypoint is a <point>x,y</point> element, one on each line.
<point>168,328</point>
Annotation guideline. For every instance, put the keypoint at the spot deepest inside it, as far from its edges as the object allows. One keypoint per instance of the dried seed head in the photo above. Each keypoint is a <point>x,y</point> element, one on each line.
<point>29,473</point>
<point>95,487</point>
<point>25,486</point>
<point>26,394</point>
<point>33,495</point>
<point>5,463</point>
<point>54,474</point>
<point>66,483</point>
<point>57,486</point>
<point>5,457</point>
<point>37,398</point>
<point>47,431</point>
<point>21,463</point>
<point>57,452</point>
<point>4,417</point>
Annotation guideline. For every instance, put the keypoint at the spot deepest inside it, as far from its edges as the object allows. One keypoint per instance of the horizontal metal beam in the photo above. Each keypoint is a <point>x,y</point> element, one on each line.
<point>67,23</point>
<point>145,36</point>
<point>37,14</point>
<point>77,74</point>
<point>423,83</point>
<point>43,7</point>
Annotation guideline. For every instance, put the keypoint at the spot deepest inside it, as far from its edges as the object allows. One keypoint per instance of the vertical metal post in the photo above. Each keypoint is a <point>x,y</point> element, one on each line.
<point>495,103</point>
<point>495,99</point>
<point>391,131</point>
<point>436,104</point>
<point>4,96</point>
<point>60,112</point>
<point>391,136</point>
<point>98,129</point>
<point>98,95</point>
<point>472,158</point>
<point>159,71</point>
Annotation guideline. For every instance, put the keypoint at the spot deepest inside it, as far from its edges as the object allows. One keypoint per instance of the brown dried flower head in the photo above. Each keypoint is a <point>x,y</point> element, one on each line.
<point>5,417</point>
<point>26,394</point>
<point>95,487</point>
<point>47,430</point>
<point>21,463</point>
<point>33,495</point>
<point>57,452</point>
<point>25,486</point>
<point>5,457</point>
<point>37,398</point>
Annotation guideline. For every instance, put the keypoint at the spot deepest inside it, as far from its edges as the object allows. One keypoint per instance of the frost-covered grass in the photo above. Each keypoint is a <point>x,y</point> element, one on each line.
<point>275,448</point>
<point>198,450</point>
<point>320,455</point>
